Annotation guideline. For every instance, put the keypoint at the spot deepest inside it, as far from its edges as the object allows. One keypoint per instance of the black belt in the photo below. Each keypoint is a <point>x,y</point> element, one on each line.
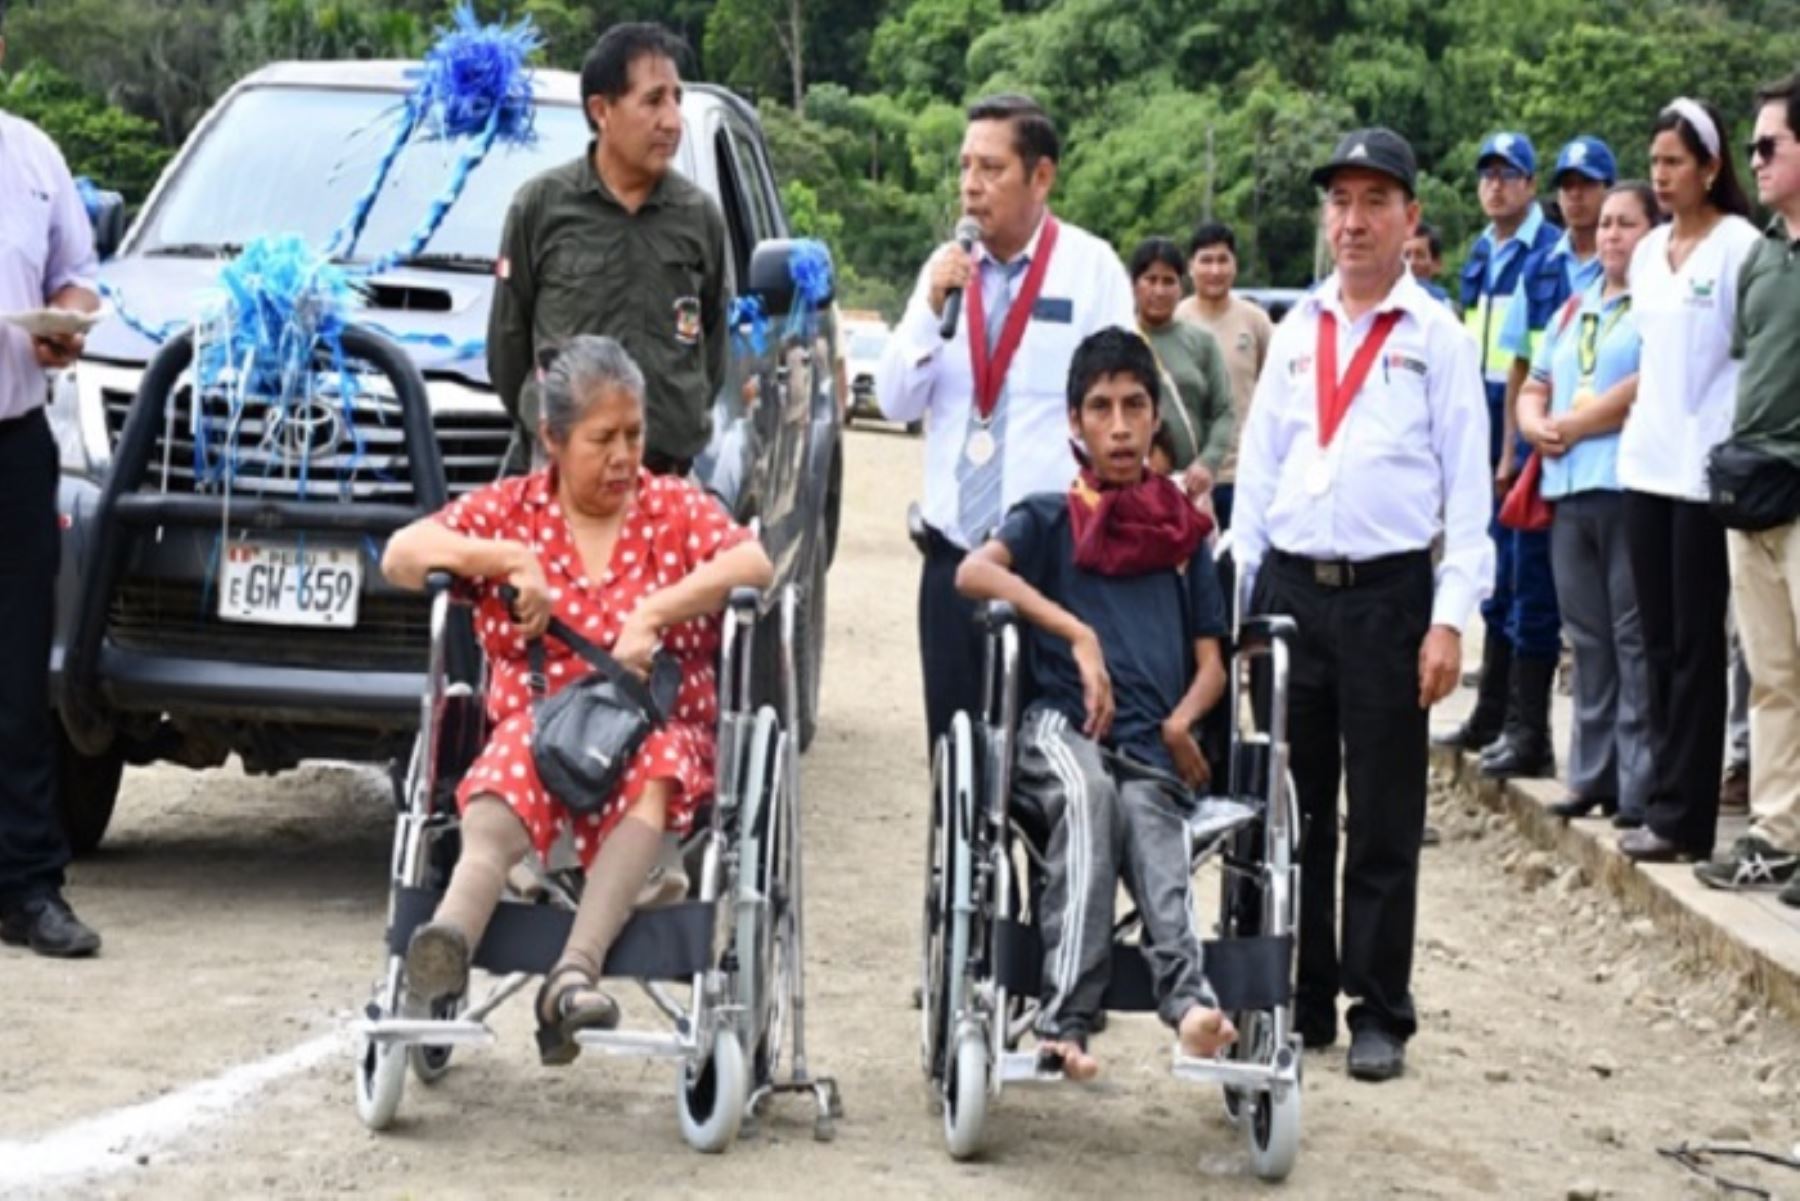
<point>931,541</point>
<point>1350,573</point>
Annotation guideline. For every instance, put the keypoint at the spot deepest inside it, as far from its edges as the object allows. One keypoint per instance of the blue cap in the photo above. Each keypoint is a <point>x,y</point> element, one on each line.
<point>1514,148</point>
<point>1589,156</point>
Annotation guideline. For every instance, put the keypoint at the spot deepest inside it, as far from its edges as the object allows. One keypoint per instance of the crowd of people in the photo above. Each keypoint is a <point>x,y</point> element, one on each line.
<point>1596,440</point>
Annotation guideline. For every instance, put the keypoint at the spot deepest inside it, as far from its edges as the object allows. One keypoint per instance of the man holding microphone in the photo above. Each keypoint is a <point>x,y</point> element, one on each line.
<point>982,353</point>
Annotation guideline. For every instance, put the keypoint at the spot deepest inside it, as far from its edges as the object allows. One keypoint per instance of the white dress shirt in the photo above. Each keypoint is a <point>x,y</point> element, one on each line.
<point>1408,462</point>
<point>1687,379</point>
<point>922,375</point>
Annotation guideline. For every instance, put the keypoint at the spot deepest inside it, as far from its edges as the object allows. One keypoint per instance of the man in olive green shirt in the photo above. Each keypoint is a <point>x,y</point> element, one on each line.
<point>618,243</point>
<point>1765,565</point>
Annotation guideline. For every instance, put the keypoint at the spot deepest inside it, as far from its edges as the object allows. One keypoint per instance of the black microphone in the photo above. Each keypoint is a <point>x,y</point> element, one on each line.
<point>968,232</point>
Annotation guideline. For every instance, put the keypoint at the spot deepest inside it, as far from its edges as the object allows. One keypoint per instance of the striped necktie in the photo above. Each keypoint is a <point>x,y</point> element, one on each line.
<point>978,484</point>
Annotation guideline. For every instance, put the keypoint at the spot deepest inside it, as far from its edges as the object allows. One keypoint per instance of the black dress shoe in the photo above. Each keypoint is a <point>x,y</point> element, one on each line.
<point>1375,1055</point>
<point>1645,845</point>
<point>48,926</point>
<point>1578,806</point>
<point>1517,759</point>
<point>1628,821</point>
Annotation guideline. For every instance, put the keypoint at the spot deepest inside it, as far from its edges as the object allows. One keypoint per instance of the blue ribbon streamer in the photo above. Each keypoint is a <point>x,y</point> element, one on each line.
<point>809,266</point>
<point>749,325</point>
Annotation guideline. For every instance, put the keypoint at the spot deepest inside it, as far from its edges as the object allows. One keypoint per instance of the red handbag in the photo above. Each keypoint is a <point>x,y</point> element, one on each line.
<point>1525,508</point>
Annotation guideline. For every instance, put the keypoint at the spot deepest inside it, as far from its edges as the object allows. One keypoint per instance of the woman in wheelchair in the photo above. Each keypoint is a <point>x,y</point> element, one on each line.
<point>1125,618</point>
<point>635,562</point>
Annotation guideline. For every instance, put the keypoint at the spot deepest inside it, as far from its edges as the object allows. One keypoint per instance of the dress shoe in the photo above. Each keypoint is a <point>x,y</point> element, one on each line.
<point>1628,821</point>
<point>1375,1055</point>
<point>48,926</point>
<point>1734,792</point>
<point>1645,845</point>
<point>1791,894</point>
<point>1579,806</point>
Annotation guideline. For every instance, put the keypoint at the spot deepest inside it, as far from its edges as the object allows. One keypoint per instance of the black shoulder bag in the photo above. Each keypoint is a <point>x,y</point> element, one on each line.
<point>583,738</point>
<point>1750,489</point>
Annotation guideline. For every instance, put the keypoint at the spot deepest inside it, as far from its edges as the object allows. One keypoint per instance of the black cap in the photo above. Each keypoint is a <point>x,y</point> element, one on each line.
<point>1375,149</point>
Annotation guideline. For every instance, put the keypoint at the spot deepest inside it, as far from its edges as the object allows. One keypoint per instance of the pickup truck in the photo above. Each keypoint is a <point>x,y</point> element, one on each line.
<point>185,654</point>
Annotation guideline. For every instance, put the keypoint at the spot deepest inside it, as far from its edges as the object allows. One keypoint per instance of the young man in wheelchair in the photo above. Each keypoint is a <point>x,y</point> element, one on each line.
<point>1125,621</point>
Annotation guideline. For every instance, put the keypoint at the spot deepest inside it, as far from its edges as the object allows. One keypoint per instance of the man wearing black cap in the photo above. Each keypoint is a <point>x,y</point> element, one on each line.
<point>1367,441</point>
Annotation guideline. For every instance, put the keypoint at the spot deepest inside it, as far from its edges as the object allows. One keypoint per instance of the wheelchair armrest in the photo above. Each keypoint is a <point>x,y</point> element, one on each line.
<point>438,580</point>
<point>1267,627</point>
<point>994,616</point>
<point>745,600</point>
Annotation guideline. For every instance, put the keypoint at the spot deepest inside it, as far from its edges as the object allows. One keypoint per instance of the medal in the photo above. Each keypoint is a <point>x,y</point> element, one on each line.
<point>980,446</point>
<point>1583,396</point>
<point>1318,476</point>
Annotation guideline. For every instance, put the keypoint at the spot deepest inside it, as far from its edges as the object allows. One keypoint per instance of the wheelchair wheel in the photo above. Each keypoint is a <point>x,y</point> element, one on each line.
<point>949,873</point>
<point>380,1080</point>
<point>711,1095</point>
<point>430,1063</point>
<point>1272,1128</point>
<point>966,1095</point>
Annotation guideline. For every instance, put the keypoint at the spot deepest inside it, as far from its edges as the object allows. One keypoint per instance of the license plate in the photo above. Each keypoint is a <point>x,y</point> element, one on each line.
<point>283,584</point>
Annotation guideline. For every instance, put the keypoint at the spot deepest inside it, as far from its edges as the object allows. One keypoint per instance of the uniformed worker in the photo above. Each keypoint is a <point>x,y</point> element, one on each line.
<point>46,260</point>
<point>618,243</point>
<point>1520,619</point>
<point>1366,442</point>
<point>1034,287</point>
<point>1584,171</point>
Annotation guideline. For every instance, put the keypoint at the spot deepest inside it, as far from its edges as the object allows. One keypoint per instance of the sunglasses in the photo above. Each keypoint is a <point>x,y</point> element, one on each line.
<point>1764,148</point>
<point>1501,175</point>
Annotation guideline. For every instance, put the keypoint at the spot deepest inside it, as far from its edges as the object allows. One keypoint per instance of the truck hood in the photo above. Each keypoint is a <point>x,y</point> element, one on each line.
<point>409,301</point>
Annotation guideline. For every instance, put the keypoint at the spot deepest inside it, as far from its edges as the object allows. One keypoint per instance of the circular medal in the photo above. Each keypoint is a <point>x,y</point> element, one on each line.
<point>1318,476</point>
<point>980,447</point>
<point>1583,396</point>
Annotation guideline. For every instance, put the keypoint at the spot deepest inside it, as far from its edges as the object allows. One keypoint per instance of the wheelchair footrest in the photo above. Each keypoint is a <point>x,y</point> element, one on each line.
<point>674,942</point>
<point>1275,1077</point>
<point>1021,1067</point>
<point>636,1044</point>
<point>427,1032</point>
<point>1246,973</point>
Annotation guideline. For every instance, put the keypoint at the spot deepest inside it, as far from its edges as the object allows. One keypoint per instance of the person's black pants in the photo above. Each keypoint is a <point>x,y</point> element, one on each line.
<point>32,847</point>
<point>1679,566</point>
<point>951,645</point>
<point>1354,715</point>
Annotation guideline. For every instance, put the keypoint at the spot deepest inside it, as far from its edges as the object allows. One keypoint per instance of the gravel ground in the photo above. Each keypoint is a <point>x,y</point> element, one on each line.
<point>1562,1044</point>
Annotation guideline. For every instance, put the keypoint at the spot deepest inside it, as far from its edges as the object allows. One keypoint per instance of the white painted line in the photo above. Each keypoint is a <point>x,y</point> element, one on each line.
<point>111,1142</point>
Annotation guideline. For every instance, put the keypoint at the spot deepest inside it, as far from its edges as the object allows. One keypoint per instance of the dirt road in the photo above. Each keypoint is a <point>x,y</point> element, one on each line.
<point>242,920</point>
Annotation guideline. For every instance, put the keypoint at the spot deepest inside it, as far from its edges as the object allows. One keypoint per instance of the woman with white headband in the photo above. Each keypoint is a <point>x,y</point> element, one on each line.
<point>1684,292</point>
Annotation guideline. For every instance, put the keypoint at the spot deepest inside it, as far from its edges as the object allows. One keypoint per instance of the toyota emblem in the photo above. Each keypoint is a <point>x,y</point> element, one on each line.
<point>303,431</point>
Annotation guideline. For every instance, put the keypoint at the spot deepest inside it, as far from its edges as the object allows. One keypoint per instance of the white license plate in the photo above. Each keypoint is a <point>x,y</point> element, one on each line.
<point>282,584</point>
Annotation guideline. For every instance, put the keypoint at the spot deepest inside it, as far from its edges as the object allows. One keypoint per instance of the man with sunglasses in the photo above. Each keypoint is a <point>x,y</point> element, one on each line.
<point>1765,565</point>
<point>1520,617</point>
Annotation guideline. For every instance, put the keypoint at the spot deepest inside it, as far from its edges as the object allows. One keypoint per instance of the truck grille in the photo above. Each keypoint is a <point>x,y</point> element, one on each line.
<point>473,445</point>
<point>177,620</point>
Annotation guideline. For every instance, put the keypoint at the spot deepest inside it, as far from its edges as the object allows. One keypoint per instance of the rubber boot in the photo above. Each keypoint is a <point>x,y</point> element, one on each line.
<point>1525,750</point>
<point>1485,722</point>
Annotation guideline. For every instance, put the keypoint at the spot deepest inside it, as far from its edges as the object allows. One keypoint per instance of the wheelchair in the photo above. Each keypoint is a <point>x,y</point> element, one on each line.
<point>980,952</point>
<point>725,967</point>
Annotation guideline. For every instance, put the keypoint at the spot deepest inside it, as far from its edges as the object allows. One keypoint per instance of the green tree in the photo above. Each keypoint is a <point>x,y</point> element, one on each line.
<point>113,148</point>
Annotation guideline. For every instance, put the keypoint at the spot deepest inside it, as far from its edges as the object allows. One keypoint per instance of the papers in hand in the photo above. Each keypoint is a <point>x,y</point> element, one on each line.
<point>54,323</point>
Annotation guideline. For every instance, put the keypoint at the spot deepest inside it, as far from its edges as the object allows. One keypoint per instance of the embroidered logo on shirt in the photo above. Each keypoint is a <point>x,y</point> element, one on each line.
<point>1700,293</point>
<point>687,320</point>
<point>1299,365</point>
<point>1399,360</point>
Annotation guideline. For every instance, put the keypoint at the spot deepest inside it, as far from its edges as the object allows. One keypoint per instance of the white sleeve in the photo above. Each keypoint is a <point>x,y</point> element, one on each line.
<point>1115,304</point>
<point>907,374</point>
<point>1459,435</point>
<point>1258,469</point>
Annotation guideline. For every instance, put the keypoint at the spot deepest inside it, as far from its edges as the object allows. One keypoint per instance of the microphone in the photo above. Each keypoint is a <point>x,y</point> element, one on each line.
<point>968,232</point>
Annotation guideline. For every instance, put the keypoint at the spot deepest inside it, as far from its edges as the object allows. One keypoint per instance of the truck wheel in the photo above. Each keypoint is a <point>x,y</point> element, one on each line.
<point>87,788</point>
<point>809,654</point>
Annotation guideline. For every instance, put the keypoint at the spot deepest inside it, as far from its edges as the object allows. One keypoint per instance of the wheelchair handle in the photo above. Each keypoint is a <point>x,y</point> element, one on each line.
<point>1267,627</point>
<point>995,616</point>
<point>437,581</point>
<point>745,599</point>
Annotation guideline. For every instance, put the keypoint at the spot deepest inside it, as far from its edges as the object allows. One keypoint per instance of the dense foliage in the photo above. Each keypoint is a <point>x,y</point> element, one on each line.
<point>1171,109</point>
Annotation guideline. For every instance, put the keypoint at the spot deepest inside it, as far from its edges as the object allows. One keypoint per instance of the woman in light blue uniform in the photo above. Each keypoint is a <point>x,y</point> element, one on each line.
<point>1582,385</point>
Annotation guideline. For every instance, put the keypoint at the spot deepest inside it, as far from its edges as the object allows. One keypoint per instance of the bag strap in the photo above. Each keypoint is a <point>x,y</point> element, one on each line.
<point>617,672</point>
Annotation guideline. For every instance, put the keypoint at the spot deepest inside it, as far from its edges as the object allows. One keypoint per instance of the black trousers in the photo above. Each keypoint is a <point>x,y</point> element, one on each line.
<point>951,645</point>
<point>1683,580</point>
<point>32,848</point>
<point>1354,718</point>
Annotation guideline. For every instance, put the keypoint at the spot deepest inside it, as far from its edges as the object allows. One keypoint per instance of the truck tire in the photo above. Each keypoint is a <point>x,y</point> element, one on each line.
<point>809,653</point>
<point>87,788</point>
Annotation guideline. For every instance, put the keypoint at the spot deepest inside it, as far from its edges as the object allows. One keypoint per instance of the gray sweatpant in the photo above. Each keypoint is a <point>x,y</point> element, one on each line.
<point>1101,830</point>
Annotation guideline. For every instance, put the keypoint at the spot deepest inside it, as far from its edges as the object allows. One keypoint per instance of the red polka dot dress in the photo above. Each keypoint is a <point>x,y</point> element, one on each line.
<point>671,528</point>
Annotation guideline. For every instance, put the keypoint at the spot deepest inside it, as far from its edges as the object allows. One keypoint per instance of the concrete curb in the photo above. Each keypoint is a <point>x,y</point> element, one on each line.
<point>1752,936</point>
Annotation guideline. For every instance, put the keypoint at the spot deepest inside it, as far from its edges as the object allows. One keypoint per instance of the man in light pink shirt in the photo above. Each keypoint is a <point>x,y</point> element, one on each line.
<point>46,261</point>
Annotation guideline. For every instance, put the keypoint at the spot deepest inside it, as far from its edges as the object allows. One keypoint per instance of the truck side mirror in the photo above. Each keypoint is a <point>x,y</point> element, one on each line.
<point>772,278</point>
<point>106,212</point>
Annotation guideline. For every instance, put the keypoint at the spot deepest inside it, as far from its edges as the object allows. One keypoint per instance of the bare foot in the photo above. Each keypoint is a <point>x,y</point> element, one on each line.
<point>1204,1032</point>
<point>1077,1064</point>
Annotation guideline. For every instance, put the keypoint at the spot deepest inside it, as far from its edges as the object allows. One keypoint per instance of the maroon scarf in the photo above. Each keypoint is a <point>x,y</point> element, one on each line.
<point>1135,530</point>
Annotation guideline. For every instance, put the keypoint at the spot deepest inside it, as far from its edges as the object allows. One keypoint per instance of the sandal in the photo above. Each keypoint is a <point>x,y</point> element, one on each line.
<point>565,1009</point>
<point>437,963</point>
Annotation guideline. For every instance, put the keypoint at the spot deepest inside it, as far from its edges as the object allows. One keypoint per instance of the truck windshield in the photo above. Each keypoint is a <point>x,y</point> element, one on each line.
<point>294,160</point>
